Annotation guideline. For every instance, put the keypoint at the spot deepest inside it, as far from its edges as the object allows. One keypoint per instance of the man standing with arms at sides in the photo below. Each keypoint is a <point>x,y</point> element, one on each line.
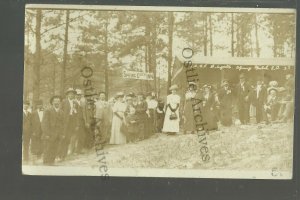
<point>79,139</point>
<point>259,100</point>
<point>243,101</point>
<point>101,116</point>
<point>69,109</point>
<point>36,138</point>
<point>52,126</point>
<point>27,128</point>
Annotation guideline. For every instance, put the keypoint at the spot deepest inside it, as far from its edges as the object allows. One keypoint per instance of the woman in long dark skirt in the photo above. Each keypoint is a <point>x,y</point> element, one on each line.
<point>208,108</point>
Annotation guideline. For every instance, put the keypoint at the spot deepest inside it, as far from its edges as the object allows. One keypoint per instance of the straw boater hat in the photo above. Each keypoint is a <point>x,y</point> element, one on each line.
<point>206,86</point>
<point>272,88</point>
<point>174,87</point>
<point>192,83</point>
<point>70,90</point>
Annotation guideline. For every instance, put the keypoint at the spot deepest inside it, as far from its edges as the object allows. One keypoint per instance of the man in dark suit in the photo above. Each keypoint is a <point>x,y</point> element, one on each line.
<point>225,99</point>
<point>259,97</point>
<point>69,109</point>
<point>27,128</point>
<point>36,121</point>
<point>243,101</point>
<point>52,125</point>
<point>79,139</point>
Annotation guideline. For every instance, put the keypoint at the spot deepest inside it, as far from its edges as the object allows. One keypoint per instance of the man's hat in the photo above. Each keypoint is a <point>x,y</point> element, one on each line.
<point>54,97</point>
<point>131,94</point>
<point>206,86</point>
<point>225,82</point>
<point>70,90</point>
<point>174,87</point>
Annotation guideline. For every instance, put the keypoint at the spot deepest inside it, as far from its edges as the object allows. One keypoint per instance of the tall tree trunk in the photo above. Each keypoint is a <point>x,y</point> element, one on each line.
<point>148,51</point>
<point>170,47</point>
<point>256,38</point>
<point>106,60</point>
<point>210,35</point>
<point>37,60</point>
<point>65,55</point>
<point>205,34</point>
<point>232,35</point>
<point>153,50</point>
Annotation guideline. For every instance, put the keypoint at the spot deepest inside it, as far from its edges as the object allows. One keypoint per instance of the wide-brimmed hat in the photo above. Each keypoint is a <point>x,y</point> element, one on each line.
<point>70,90</point>
<point>79,92</point>
<point>192,83</point>
<point>120,94</point>
<point>131,94</point>
<point>174,87</point>
<point>272,88</point>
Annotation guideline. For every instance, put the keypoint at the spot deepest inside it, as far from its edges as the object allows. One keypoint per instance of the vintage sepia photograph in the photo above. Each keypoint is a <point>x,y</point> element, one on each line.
<point>158,91</point>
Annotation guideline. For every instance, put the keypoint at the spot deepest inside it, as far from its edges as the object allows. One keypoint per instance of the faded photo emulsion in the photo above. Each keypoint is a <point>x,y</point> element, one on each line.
<point>158,92</point>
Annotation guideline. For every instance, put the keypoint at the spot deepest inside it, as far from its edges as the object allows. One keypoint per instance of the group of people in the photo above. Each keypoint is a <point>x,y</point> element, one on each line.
<point>268,102</point>
<point>70,125</point>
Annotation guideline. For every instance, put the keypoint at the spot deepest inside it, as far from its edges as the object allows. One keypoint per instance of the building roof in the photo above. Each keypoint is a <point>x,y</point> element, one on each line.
<point>239,60</point>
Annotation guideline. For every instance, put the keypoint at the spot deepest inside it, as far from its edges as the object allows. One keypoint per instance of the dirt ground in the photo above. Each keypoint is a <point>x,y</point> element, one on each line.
<point>244,147</point>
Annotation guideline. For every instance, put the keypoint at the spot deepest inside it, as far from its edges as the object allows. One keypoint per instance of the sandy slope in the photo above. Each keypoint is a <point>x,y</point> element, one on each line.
<point>248,147</point>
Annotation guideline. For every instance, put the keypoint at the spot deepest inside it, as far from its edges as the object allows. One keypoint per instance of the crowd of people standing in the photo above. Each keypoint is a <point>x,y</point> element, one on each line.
<point>70,125</point>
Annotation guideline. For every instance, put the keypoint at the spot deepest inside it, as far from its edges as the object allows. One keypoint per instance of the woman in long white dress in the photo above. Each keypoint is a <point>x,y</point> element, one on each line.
<point>119,108</point>
<point>171,122</point>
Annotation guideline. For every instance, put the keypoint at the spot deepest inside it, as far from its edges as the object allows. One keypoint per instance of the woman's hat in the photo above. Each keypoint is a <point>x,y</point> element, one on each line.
<point>79,92</point>
<point>272,88</point>
<point>192,83</point>
<point>70,90</point>
<point>174,87</point>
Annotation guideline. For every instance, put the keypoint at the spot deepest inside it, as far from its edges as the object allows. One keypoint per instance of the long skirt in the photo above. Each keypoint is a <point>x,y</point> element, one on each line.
<point>117,137</point>
<point>189,123</point>
<point>171,126</point>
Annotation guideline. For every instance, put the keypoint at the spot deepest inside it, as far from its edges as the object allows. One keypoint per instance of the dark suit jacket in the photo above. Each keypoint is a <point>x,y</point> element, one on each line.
<point>36,124</point>
<point>243,94</point>
<point>69,121</point>
<point>27,127</point>
<point>261,98</point>
<point>52,124</point>
<point>225,99</point>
